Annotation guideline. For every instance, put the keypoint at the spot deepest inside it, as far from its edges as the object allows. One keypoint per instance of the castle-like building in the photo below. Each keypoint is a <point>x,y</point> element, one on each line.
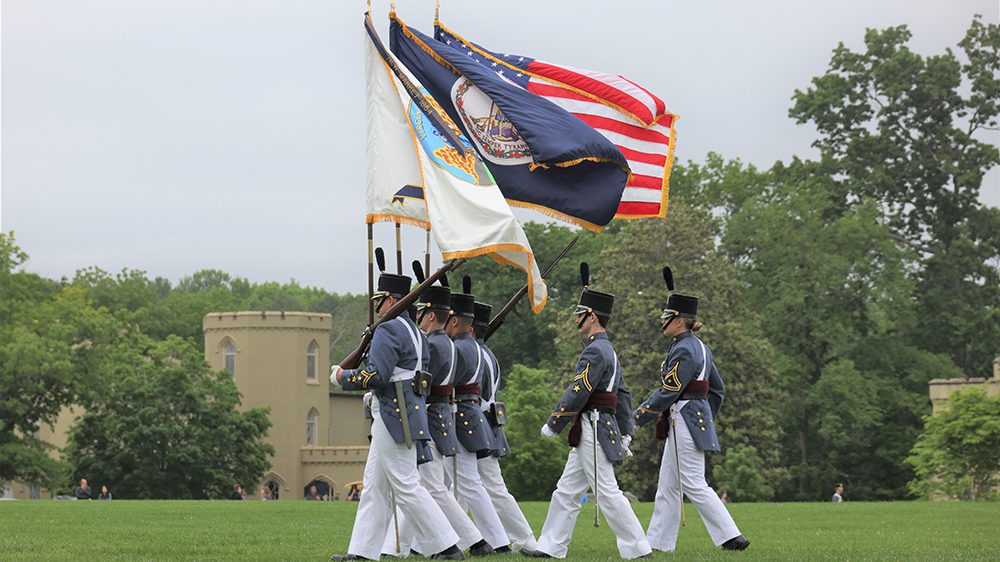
<point>279,360</point>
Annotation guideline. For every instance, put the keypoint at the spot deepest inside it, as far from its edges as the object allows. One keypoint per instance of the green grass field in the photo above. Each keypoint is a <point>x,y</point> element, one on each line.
<point>299,530</point>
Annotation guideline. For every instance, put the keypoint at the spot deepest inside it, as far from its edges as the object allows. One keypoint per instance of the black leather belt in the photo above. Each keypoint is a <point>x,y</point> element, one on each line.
<point>694,396</point>
<point>467,398</point>
<point>438,399</point>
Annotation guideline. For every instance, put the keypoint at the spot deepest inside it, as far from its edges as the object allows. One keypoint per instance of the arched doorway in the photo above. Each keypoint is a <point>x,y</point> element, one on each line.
<point>322,488</point>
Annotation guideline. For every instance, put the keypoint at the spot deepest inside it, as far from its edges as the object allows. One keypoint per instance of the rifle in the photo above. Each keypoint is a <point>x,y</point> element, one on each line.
<point>354,357</point>
<point>499,319</point>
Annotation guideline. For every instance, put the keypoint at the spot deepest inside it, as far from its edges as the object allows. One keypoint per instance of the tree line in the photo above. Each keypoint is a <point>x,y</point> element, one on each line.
<point>832,291</point>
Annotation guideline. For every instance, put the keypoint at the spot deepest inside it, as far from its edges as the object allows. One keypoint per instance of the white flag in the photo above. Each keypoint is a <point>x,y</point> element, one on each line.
<point>466,210</point>
<point>394,190</point>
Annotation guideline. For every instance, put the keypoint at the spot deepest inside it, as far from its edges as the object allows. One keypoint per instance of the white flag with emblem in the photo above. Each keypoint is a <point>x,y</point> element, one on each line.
<point>466,210</point>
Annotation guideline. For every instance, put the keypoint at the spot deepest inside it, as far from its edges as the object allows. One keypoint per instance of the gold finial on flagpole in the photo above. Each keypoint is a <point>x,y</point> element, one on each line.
<point>437,11</point>
<point>369,7</point>
<point>392,7</point>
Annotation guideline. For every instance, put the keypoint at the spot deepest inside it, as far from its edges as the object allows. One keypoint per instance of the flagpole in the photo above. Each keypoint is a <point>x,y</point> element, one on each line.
<point>427,252</point>
<point>399,249</point>
<point>371,276</point>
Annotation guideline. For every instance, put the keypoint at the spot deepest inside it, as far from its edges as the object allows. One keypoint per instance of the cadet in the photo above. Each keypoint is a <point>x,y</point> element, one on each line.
<point>514,523</point>
<point>432,313</point>
<point>686,405</point>
<point>597,401</point>
<point>474,435</point>
<point>398,350</point>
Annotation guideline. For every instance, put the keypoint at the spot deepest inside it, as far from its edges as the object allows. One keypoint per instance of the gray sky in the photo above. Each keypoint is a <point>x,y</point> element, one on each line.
<point>229,134</point>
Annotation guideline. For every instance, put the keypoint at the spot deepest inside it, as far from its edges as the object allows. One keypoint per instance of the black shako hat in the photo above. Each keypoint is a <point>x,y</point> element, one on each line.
<point>592,301</point>
<point>685,306</point>
<point>436,297</point>
<point>464,304</point>
<point>390,284</point>
<point>483,312</point>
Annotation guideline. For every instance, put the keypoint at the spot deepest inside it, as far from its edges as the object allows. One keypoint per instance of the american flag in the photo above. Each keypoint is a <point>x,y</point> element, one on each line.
<point>627,114</point>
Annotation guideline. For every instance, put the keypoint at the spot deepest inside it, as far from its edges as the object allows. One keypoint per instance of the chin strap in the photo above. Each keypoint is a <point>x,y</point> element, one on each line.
<point>667,323</point>
<point>583,319</point>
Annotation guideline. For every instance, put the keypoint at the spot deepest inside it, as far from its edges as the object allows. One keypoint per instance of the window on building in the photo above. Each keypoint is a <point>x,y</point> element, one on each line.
<point>274,488</point>
<point>312,361</point>
<point>229,357</point>
<point>311,420</point>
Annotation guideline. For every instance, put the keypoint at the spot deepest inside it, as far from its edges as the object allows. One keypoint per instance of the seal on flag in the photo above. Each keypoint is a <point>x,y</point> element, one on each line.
<point>494,134</point>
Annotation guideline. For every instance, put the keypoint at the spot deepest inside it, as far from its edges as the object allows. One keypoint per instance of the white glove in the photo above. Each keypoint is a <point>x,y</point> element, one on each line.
<point>626,441</point>
<point>367,399</point>
<point>334,371</point>
<point>546,432</point>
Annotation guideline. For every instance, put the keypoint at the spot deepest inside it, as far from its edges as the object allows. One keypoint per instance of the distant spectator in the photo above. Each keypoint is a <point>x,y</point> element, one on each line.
<point>237,493</point>
<point>354,494</point>
<point>724,496</point>
<point>312,494</point>
<point>265,493</point>
<point>105,493</point>
<point>838,493</point>
<point>83,490</point>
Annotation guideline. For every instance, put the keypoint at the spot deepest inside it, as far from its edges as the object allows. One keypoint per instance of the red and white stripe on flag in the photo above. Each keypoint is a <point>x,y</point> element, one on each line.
<point>626,114</point>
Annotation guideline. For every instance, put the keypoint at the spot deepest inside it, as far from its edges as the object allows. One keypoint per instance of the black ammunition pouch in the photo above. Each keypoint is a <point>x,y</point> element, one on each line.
<point>422,383</point>
<point>497,414</point>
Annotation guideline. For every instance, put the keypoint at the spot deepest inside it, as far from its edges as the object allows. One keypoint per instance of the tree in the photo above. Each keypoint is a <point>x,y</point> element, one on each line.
<point>168,427</point>
<point>742,476</point>
<point>895,127</point>
<point>535,463</point>
<point>956,455</point>
<point>52,345</point>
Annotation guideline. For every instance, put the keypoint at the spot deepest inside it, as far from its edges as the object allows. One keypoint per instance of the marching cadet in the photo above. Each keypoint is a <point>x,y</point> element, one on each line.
<point>398,351</point>
<point>597,402</point>
<point>686,405</point>
<point>514,522</point>
<point>432,313</point>
<point>475,437</point>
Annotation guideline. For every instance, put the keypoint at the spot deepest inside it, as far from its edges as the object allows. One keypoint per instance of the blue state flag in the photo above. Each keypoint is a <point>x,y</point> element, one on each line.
<point>540,155</point>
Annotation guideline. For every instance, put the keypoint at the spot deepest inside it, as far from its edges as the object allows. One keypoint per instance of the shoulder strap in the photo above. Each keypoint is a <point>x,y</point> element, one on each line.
<point>704,363</point>
<point>416,344</point>
<point>451,366</point>
<point>614,373</point>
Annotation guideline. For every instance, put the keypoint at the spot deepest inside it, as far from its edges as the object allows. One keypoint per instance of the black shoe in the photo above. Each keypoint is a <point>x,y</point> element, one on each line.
<point>503,550</point>
<point>647,555</point>
<point>451,553</point>
<point>738,542</point>
<point>481,548</point>
<point>535,553</point>
<point>340,557</point>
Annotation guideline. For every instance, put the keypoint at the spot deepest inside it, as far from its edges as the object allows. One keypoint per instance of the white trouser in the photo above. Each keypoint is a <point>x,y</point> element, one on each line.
<point>472,494</point>
<point>577,478</point>
<point>393,467</point>
<point>666,519</point>
<point>432,479</point>
<point>518,530</point>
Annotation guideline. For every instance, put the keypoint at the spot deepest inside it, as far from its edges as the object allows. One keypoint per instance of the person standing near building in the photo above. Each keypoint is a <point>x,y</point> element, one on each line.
<point>599,405</point>
<point>513,520</point>
<point>838,493</point>
<point>475,437</point>
<point>398,350</point>
<point>686,405</point>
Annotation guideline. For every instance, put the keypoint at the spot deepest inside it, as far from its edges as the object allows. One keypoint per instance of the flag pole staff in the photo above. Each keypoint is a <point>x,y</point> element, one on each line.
<point>427,252</point>
<point>371,276</point>
<point>437,11</point>
<point>399,249</point>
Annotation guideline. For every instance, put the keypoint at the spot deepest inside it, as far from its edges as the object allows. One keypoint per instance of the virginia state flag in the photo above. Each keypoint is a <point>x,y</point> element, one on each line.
<point>466,210</point>
<point>541,156</point>
<point>628,115</point>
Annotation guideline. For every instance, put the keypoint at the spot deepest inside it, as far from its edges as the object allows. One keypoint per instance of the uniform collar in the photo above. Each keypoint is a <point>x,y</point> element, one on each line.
<point>464,336</point>
<point>685,335</point>
<point>597,336</point>
<point>436,332</point>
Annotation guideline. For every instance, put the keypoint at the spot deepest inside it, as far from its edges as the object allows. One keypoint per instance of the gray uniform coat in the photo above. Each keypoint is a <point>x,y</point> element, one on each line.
<point>598,369</point>
<point>473,430</point>
<point>684,363</point>
<point>439,413</point>
<point>491,384</point>
<point>392,347</point>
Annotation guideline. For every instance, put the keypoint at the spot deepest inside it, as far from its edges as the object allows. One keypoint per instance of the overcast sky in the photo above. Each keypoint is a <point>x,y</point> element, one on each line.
<point>190,134</point>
